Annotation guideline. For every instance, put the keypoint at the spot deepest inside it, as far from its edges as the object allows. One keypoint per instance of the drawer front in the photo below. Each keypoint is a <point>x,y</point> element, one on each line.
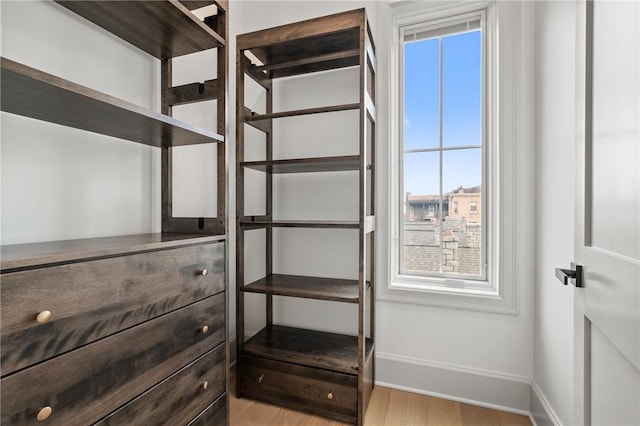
<point>304,388</point>
<point>176,399</point>
<point>85,385</point>
<point>213,415</point>
<point>93,299</point>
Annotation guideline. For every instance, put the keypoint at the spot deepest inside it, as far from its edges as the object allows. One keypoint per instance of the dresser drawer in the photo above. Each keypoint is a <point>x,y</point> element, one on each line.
<point>177,399</point>
<point>86,384</point>
<point>303,388</point>
<point>93,299</point>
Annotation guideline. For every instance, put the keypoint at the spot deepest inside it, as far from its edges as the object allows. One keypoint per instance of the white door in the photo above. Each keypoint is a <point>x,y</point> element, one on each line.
<point>607,308</point>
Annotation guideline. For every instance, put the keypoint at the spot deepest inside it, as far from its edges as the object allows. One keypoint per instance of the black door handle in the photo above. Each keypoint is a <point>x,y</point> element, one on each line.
<point>573,275</point>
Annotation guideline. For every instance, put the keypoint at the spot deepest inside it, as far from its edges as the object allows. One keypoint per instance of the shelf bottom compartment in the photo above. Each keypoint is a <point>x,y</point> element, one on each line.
<point>311,371</point>
<point>318,349</point>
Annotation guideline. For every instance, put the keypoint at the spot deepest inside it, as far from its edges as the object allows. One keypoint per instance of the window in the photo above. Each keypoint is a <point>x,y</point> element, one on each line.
<point>438,156</point>
<point>442,141</point>
<point>473,207</point>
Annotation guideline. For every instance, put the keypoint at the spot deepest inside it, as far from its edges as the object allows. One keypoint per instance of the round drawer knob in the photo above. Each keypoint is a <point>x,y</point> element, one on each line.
<point>330,395</point>
<point>204,272</point>
<point>43,317</point>
<point>259,379</point>
<point>44,413</point>
<point>204,329</point>
<point>205,385</point>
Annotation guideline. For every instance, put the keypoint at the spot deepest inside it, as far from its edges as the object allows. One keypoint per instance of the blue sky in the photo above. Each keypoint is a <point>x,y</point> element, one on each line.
<point>461,113</point>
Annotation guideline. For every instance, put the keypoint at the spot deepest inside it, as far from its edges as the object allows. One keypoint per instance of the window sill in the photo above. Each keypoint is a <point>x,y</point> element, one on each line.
<point>483,298</point>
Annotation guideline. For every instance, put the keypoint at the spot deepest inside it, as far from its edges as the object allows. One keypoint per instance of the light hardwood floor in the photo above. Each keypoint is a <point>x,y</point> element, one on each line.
<point>387,407</point>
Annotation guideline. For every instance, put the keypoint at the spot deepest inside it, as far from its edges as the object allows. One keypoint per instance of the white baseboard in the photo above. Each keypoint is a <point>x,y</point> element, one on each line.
<point>483,388</point>
<point>541,412</point>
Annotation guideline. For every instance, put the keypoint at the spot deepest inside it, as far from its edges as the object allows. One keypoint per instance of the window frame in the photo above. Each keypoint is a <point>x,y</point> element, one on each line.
<point>434,25</point>
<point>497,293</point>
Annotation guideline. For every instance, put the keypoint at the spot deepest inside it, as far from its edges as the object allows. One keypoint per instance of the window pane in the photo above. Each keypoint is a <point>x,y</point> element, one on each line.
<point>461,89</point>
<point>462,228</point>
<point>421,230</point>
<point>421,95</point>
<point>421,181</point>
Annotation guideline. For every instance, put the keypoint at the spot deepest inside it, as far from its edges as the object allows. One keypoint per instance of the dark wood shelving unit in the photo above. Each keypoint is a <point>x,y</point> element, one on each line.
<point>324,373</point>
<point>105,292</point>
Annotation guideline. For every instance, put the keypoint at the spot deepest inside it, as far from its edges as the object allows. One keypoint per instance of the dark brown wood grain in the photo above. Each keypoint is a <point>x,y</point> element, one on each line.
<point>196,4</point>
<point>35,94</point>
<point>337,290</point>
<point>36,255</point>
<point>194,92</point>
<point>86,384</point>
<point>306,111</point>
<point>249,223</point>
<point>306,165</point>
<point>93,299</point>
<point>215,414</point>
<point>311,59</point>
<point>307,389</point>
<point>331,351</point>
<point>325,34</point>
<point>164,29</point>
<point>176,399</point>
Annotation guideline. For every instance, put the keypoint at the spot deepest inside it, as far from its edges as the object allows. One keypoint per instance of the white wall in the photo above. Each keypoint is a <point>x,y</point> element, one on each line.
<point>477,345</point>
<point>61,183</point>
<point>555,154</point>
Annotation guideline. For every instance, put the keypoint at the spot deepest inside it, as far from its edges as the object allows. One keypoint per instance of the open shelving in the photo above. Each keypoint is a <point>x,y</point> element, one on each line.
<point>325,373</point>
<point>170,29</point>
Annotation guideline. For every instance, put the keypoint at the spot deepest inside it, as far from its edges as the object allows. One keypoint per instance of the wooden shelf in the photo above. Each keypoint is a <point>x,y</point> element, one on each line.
<point>330,351</point>
<point>329,42</point>
<point>164,29</point>
<point>307,111</point>
<point>22,256</point>
<point>33,93</point>
<point>337,290</point>
<point>328,224</point>
<point>306,165</point>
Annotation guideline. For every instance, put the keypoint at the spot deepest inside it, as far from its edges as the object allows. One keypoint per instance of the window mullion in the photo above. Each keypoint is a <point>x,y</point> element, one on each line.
<point>440,79</point>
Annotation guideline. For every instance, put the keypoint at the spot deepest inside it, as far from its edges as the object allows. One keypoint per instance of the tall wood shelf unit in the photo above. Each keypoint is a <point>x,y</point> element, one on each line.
<point>324,373</point>
<point>105,296</point>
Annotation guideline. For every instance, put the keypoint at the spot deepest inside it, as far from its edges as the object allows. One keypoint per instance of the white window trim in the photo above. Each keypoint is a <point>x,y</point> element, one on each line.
<point>497,294</point>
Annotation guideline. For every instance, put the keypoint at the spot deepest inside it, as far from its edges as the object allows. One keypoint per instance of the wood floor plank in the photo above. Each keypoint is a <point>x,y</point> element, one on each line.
<point>378,406</point>
<point>442,412</point>
<point>406,408</point>
<point>478,416</point>
<point>511,419</point>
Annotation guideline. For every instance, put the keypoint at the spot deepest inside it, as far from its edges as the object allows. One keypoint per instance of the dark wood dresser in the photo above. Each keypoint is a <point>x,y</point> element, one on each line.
<point>119,330</point>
